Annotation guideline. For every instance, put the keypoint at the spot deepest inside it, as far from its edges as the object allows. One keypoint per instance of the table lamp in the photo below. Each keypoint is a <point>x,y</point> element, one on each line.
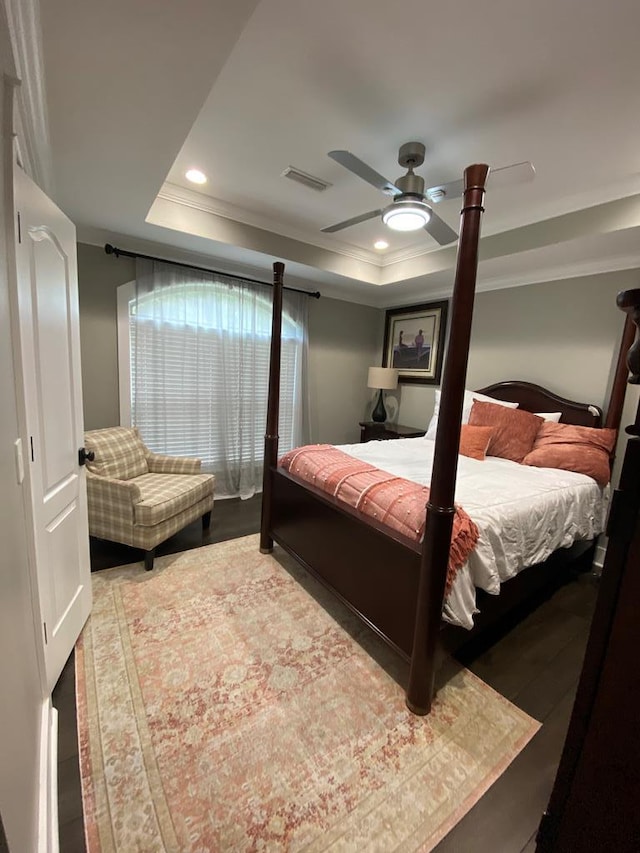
<point>384,379</point>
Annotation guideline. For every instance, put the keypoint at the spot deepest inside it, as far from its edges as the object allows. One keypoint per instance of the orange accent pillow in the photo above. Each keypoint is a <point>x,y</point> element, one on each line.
<point>574,448</point>
<point>474,440</point>
<point>514,429</point>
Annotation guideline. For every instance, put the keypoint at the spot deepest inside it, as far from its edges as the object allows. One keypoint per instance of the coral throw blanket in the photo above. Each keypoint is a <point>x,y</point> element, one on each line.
<point>393,501</point>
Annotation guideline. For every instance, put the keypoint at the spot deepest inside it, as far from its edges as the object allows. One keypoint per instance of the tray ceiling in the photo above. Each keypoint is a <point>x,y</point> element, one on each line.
<point>136,100</point>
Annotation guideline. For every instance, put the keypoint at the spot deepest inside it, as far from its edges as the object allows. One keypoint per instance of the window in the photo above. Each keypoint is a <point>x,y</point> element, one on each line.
<point>197,354</point>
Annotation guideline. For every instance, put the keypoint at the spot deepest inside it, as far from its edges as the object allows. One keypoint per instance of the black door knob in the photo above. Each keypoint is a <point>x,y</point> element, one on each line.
<point>85,456</point>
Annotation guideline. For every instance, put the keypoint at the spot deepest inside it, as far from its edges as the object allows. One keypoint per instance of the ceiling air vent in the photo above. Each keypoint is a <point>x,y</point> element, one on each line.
<point>305,179</point>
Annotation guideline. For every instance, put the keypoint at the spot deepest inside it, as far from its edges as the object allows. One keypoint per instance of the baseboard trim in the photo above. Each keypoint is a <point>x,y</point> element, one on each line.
<point>48,839</point>
<point>598,559</point>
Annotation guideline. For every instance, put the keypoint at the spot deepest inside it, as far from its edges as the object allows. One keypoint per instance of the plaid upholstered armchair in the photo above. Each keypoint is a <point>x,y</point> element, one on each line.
<point>140,498</point>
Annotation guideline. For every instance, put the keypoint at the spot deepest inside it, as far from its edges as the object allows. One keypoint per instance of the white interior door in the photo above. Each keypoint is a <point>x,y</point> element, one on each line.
<point>50,347</point>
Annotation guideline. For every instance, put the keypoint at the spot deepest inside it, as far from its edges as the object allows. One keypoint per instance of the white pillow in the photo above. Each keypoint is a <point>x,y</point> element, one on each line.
<point>469,397</point>
<point>550,416</point>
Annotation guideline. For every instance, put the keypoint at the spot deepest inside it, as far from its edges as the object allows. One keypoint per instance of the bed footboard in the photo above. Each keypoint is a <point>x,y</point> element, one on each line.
<point>371,573</point>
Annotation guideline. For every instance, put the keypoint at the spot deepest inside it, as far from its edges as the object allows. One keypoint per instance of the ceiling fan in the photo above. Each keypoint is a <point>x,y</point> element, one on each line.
<point>411,208</point>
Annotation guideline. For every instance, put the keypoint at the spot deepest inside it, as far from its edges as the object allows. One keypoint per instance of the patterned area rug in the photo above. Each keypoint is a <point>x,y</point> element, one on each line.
<point>221,708</point>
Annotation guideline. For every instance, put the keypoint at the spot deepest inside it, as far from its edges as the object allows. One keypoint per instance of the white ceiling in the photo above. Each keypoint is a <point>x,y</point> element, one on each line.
<point>139,92</point>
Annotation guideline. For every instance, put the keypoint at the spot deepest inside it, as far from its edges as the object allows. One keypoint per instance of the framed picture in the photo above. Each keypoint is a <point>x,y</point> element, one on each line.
<point>414,341</point>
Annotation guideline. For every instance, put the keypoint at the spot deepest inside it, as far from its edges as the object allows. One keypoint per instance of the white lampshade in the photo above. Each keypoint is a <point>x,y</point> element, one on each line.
<point>383,377</point>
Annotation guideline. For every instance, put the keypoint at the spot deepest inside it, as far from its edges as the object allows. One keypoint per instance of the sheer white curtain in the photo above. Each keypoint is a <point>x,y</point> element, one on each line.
<point>199,347</point>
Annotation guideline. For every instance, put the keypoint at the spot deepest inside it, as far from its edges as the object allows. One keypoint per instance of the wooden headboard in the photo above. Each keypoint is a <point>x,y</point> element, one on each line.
<point>535,398</point>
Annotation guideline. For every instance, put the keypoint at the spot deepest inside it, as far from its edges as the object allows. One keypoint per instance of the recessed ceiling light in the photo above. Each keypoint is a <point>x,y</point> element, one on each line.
<point>196,176</point>
<point>381,244</point>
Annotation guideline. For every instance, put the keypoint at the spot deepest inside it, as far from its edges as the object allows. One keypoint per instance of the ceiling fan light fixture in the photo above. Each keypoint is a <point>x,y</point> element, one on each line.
<point>406,216</point>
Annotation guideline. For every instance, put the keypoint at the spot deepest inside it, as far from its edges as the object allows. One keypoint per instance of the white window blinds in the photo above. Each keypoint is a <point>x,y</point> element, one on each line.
<point>199,357</point>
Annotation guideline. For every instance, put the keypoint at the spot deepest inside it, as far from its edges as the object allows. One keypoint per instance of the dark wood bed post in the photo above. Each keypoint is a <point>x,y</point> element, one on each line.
<point>440,508</point>
<point>619,387</point>
<point>629,301</point>
<point>273,405</point>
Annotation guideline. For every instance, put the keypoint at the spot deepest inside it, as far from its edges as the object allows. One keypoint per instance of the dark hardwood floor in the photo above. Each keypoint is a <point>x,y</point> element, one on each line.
<point>536,665</point>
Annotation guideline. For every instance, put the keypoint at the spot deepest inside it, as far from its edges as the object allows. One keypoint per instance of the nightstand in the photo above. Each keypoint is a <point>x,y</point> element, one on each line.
<point>372,431</point>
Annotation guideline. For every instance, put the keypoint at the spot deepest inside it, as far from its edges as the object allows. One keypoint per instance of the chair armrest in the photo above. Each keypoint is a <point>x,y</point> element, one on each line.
<point>113,497</point>
<point>159,464</point>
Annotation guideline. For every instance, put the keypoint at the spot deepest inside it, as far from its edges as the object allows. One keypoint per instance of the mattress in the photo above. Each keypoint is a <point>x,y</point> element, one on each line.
<point>523,513</point>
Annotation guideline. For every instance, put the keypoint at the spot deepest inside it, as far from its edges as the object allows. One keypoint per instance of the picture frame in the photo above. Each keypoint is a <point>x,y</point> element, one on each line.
<point>414,338</point>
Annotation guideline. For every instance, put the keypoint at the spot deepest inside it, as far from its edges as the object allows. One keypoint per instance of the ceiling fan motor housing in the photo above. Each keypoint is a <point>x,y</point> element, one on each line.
<point>412,184</point>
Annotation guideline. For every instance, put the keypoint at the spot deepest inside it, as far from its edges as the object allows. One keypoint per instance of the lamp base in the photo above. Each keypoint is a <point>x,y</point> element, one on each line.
<point>379,414</point>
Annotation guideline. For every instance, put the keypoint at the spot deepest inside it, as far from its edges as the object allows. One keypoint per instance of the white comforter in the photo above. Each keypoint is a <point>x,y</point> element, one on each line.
<point>523,513</point>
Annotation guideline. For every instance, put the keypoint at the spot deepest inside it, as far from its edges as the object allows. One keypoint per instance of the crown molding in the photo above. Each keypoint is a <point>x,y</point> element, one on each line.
<point>618,189</point>
<point>410,254</point>
<point>31,120</point>
<point>198,201</point>
<point>559,272</point>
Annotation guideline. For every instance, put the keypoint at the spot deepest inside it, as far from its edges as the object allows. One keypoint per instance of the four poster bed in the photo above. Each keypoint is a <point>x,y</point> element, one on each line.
<point>394,582</point>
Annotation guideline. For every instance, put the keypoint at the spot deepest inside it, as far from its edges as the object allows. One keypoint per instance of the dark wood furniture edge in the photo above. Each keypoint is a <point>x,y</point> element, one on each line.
<point>388,430</point>
<point>629,302</point>
<point>620,377</point>
<point>621,558</point>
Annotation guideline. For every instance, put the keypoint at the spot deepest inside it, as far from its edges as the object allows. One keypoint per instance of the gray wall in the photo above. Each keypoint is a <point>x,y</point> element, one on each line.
<point>343,343</point>
<point>561,334</point>
<point>99,276</point>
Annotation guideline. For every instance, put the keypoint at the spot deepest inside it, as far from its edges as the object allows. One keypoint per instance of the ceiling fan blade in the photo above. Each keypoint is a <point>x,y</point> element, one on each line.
<point>355,165</point>
<point>440,231</point>
<point>518,173</point>
<point>506,176</point>
<point>354,221</point>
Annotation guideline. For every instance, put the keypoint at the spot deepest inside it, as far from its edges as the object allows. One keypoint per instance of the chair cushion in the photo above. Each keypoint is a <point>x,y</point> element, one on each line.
<point>120,453</point>
<point>164,495</point>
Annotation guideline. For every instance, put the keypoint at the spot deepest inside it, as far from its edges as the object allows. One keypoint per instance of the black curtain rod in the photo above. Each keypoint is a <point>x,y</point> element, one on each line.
<point>113,250</point>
